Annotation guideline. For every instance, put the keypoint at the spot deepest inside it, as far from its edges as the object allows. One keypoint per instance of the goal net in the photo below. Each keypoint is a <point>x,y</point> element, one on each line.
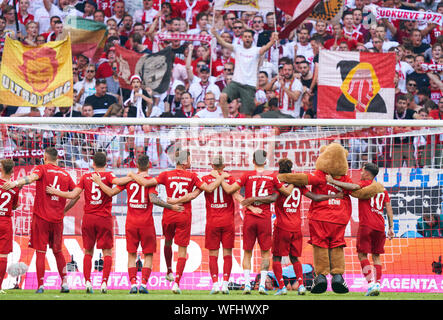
<point>409,156</point>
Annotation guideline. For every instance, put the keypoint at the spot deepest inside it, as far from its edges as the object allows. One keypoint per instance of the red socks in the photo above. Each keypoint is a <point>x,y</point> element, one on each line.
<point>181,262</point>
<point>366,269</point>
<point>61,264</point>
<point>87,266</point>
<point>213,268</point>
<point>298,269</point>
<point>168,258</point>
<point>276,267</point>
<point>146,273</point>
<point>132,273</point>
<point>107,264</point>
<point>40,267</point>
<point>3,264</point>
<point>227,267</point>
<point>378,272</point>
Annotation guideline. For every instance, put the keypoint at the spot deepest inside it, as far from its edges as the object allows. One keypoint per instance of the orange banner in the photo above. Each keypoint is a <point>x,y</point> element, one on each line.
<point>37,76</point>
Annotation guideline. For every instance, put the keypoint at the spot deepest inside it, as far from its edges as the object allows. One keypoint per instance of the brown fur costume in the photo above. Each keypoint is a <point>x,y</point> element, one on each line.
<point>332,160</point>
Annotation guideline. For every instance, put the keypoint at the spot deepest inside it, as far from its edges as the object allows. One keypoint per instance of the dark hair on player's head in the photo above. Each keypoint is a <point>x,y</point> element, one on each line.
<point>52,153</point>
<point>7,165</point>
<point>250,31</point>
<point>372,168</point>
<point>181,156</point>
<point>143,162</point>
<point>99,159</point>
<point>259,157</point>
<point>284,165</point>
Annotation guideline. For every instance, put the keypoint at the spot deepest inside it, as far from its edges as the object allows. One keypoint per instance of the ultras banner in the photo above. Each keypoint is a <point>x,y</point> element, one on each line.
<point>36,76</point>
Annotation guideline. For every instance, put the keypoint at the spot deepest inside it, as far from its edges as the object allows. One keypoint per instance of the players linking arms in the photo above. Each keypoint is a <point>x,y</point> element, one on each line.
<point>368,173</point>
<point>153,198</point>
<point>153,181</point>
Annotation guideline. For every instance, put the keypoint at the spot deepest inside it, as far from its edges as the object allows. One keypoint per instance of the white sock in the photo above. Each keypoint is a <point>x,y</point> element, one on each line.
<point>263,275</point>
<point>215,284</point>
<point>247,274</point>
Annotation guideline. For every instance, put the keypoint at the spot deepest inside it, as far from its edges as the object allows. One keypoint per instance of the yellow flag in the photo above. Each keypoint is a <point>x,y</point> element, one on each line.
<point>36,76</point>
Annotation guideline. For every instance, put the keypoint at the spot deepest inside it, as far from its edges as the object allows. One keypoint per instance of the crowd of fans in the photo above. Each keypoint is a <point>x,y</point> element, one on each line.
<point>200,73</point>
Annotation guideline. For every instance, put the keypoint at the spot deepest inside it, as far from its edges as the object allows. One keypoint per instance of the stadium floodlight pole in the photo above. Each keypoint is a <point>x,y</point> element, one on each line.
<point>196,122</point>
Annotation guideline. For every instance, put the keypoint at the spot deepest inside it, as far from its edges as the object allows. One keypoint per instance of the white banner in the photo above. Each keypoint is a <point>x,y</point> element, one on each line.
<point>245,5</point>
<point>424,16</point>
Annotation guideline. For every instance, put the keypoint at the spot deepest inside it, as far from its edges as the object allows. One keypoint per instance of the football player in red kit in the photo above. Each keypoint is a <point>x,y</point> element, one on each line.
<point>97,223</point>
<point>139,227</point>
<point>8,203</point>
<point>176,226</point>
<point>371,228</point>
<point>48,214</point>
<point>257,227</point>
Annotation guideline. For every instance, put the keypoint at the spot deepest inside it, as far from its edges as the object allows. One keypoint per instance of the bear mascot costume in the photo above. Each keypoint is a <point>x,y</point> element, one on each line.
<point>328,219</point>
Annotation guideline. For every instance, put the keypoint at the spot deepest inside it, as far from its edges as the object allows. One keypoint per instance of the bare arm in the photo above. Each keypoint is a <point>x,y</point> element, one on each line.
<point>186,198</point>
<point>230,188</point>
<point>20,182</point>
<point>239,198</point>
<point>222,42</point>
<point>344,185</point>
<point>159,202</point>
<point>64,194</point>
<point>323,197</point>
<point>272,41</point>
<point>110,192</point>
<point>189,70</point>
<point>214,185</point>
<point>142,180</point>
<point>121,181</point>
<point>48,4</point>
<point>71,204</point>
<point>390,215</point>
<point>265,199</point>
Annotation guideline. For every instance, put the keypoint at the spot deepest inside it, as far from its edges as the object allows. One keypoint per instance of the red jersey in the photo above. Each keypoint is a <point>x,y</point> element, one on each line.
<point>220,205</point>
<point>8,200</point>
<point>178,183</point>
<point>96,201</point>
<point>287,209</point>
<point>370,211</point>
<point>47,206</point>
<point>139,206</point>
<point>260,184</point>
<point>189,13</point>
<point>333,210</point>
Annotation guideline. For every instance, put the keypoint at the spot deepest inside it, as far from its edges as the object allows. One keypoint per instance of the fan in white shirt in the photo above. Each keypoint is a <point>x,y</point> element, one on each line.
<point>208,108</point>
<point>147,14</point>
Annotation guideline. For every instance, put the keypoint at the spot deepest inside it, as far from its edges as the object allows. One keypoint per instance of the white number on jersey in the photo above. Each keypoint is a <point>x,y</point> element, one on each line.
<point>96,193</point>
<point>377,201</point>
<point>137,188</point>
<point>293,200</point>
<point>179,189</point>
<point>218,195</point>
<point>262,192</point>
<point>7,196</point>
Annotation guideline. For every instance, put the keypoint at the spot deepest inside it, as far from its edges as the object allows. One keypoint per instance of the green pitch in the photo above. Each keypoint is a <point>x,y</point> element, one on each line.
<point>234,295</point>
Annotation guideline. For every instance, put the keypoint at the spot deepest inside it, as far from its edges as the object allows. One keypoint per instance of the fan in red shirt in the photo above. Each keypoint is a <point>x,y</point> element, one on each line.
<point>257,227</point>
<point>8,203</point>
<point>139,227</point>
<point>97,222</point>
<point>176,226</point>
<point>48,214</point>
<point>371,229</point>
<point>189,10</point>
<point>287,235</point>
